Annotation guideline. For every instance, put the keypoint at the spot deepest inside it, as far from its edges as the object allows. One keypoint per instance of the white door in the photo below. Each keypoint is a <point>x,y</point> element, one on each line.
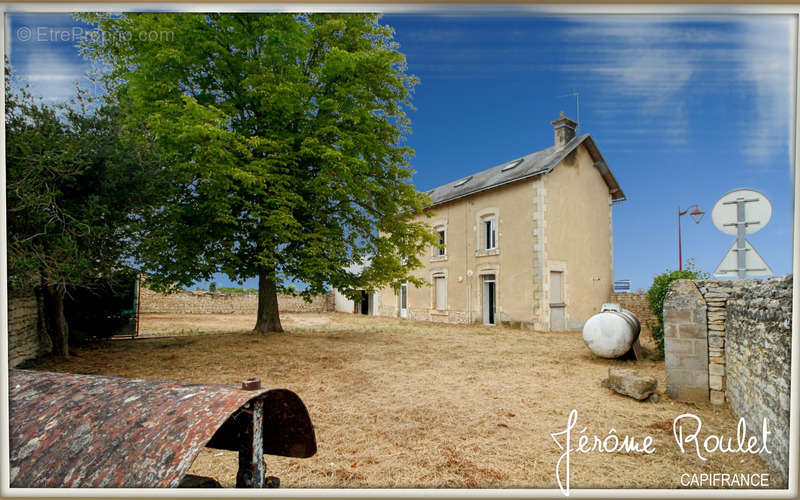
<point>489,299</point>
<point>441,293</point>
<point>404,300</point>
<point>557,313</point>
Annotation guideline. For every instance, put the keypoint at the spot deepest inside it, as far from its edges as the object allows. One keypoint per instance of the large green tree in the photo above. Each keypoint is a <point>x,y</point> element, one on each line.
<point>286,137</point>
<point>76,185</point>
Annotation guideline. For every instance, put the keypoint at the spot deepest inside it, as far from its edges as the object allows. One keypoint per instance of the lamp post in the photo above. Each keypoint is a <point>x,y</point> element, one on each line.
<point>696,215</point>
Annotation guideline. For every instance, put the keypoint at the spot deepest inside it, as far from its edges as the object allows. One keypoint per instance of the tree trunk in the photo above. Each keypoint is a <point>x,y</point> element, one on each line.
<point>268,318</point>
<point>54,321</point>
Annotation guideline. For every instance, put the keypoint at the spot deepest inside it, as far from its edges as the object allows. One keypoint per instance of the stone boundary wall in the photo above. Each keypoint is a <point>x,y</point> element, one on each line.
<point>26,337</point>
<point>638,304</point>
<point>199,302</point>
<point>758,349</point>
<point>747,330</point>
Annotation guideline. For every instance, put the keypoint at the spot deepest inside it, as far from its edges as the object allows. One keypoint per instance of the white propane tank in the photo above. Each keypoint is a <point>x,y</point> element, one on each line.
<point>611,332</point>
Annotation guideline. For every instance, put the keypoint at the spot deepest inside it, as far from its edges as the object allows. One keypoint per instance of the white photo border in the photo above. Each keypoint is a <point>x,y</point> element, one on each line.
<point>709,10</point>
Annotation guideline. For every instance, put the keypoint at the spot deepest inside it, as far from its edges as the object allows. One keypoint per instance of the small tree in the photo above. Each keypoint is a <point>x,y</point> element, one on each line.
<point>658,292</point>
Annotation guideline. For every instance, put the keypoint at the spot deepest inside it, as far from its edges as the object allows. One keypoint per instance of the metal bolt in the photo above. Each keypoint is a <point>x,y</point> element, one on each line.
<point>251,384</point>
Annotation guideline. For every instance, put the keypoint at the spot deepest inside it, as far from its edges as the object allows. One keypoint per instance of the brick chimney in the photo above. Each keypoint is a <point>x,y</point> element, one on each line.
<point>564,129</point>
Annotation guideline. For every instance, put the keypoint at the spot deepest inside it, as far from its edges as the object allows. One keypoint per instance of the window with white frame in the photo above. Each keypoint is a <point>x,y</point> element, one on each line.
<point>489,232</point>
<point>440,293</point>
<point>441,250</point>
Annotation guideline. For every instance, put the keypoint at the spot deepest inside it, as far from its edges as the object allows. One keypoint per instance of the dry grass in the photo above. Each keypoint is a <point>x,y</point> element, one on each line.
<point>408,404</point>
<point>158,325</point>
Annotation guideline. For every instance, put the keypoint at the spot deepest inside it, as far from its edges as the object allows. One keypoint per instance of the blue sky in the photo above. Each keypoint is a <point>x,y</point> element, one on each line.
<point>683,108</point>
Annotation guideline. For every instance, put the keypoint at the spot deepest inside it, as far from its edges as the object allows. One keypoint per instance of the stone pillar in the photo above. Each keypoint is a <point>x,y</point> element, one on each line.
<point>686,343</point>
<point>716,295</point>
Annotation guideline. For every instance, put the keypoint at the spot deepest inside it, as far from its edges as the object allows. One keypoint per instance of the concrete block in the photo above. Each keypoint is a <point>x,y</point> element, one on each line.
<point>680,346</point>
<point>686,362</point>
<point>671,359</point>
<point>717,397</point>
<point>690,394</point>
<point>680,316</point>
<point>715,382</point>
<point>694,363</point>
<point>690,331</point>
<point>693,379</point>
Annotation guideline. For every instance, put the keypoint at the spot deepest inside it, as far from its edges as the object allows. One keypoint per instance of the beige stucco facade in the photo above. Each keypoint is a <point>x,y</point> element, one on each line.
<point>553,232</point>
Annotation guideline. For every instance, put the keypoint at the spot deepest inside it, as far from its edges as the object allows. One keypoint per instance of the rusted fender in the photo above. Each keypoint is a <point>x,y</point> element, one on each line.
<point>89,431</point>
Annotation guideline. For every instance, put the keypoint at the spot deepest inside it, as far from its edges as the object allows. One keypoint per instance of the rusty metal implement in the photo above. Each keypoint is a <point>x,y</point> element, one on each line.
<point>88,431</point>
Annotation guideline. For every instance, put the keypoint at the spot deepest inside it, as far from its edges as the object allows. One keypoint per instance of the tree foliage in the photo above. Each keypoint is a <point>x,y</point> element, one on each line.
<point>658,292</point>
<point>75,188</point>
<point>285,135</point>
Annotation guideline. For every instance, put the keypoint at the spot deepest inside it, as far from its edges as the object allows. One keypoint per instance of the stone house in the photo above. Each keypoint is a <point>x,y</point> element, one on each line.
<point>527,242</point>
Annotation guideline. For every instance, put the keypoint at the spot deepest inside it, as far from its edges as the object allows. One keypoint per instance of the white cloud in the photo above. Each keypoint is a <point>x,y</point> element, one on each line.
<point>764,66</point>
<point>51,76</point>
<point>648,29</point>
<point>43,53</point>
<point>665,65</point>
<point>434,35</point>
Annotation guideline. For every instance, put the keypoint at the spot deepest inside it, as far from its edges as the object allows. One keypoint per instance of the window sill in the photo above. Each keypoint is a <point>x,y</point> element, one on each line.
<point>439,258</point>
<point>436,312</point>
<point>486,253</point>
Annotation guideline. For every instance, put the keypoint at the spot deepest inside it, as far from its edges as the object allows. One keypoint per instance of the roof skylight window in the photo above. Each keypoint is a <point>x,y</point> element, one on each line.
<point>511,165</point>
<point>462,182</point>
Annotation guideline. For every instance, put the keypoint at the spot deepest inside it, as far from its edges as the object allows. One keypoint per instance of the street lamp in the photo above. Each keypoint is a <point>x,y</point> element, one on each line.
<point>696,215</point>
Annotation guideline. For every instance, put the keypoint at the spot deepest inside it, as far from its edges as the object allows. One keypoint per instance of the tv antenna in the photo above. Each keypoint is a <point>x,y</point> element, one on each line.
<point>577,97</point>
